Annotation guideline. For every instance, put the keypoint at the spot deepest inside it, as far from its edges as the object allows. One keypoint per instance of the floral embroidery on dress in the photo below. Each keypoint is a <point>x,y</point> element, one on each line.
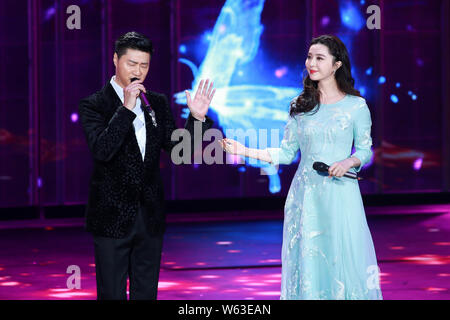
<point>327,246</point>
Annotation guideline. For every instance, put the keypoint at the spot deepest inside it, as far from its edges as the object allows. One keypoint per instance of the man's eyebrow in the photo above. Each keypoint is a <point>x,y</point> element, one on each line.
<point>137,62</point>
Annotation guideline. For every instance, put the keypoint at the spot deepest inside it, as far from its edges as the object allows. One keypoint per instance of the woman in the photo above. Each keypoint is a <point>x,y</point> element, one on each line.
<point>327,250</point>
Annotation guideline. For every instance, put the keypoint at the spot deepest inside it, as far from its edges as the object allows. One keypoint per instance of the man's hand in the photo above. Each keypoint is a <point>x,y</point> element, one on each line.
<point>131,93</point>
<point>202,99</point>
<point>339,168</point>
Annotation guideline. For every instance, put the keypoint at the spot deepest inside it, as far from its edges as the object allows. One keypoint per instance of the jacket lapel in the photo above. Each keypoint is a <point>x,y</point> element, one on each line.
<point>153,133</point>
<point>150,129</point>
<point>112,99</point>
<point>113,102</point>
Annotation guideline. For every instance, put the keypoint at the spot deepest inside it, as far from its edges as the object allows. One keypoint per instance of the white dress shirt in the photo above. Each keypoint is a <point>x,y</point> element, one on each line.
<point>139,121</point>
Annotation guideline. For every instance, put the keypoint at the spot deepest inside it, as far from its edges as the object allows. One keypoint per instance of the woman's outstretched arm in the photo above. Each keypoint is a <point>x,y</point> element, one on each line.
<point>285,154</point>
<point>233,147</point>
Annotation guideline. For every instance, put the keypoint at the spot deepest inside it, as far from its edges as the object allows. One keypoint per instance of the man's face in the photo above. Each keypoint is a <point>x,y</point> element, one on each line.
<point>133,64</point>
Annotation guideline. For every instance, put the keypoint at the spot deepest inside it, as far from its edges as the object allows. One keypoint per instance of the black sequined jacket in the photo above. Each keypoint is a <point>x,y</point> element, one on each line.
<point>120,178</point>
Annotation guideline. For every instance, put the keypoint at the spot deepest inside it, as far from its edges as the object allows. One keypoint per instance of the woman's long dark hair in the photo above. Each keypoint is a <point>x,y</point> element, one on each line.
<point>310,97</point>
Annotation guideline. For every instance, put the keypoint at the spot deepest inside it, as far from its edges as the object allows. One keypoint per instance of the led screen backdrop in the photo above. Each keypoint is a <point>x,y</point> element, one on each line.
<point>254,50</point>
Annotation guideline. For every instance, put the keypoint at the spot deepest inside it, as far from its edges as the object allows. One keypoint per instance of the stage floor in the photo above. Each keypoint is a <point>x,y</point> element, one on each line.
<point>224,260</point>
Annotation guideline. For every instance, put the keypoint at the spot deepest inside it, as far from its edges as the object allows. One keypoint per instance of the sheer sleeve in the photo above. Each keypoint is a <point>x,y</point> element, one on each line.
<point>362,124</point>
<point>285,154</point>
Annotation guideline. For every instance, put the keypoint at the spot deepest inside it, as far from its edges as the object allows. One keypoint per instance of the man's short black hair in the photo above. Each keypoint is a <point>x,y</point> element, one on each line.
<point>132,40</point>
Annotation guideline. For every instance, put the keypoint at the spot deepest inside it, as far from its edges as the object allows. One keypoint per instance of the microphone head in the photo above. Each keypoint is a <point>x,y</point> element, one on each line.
<point>133,79</point>
<point>320,166</point>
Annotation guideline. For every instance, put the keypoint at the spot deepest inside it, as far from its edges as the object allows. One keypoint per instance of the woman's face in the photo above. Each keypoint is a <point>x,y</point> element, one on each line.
<point>319,62</point>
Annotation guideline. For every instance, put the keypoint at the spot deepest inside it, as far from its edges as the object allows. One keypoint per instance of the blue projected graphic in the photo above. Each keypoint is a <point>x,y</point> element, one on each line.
<point>246,97</point>
<point>233,43</point>
<point>351,17</point>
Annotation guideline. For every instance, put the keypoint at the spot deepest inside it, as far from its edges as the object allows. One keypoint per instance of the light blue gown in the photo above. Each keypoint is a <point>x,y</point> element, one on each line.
<point>327,250</point>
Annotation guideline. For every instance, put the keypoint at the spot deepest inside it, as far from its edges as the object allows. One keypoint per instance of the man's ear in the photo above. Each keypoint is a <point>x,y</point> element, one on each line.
<point>115,59</point>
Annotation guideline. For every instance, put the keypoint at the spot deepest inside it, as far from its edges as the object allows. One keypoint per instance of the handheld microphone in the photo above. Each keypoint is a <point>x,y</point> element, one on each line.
<point>322,167</point>
<point>147,104</point>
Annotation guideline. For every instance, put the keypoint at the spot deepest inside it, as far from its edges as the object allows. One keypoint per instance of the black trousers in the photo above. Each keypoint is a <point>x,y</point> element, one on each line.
<point>137,256</point>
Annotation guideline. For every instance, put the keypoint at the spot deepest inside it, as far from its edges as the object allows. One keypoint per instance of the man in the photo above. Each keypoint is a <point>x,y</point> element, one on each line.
<point>125,210</point>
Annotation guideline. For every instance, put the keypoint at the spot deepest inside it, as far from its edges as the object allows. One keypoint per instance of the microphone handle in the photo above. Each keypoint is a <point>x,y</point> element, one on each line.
<point>352,176</point>
<point>144,99</point>
<point>148,108</point>
<point>348,174</point>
